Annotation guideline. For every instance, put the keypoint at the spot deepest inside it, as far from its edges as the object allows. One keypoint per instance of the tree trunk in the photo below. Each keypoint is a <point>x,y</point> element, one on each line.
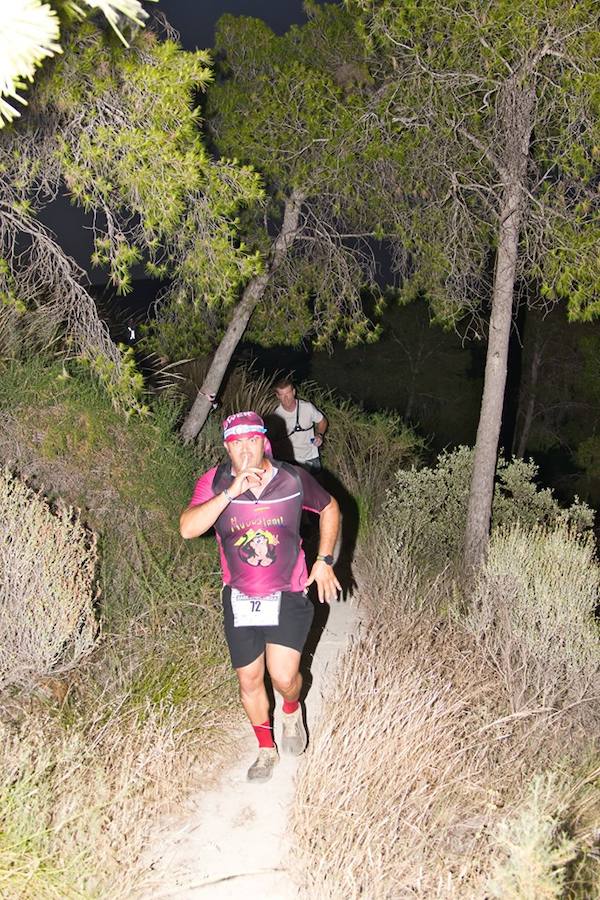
<point>516,104</point>
<point>481,492</point>
<point>253,293</point>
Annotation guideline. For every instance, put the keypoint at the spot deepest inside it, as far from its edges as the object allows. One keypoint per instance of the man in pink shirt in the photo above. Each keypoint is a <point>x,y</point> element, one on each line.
<point>255,504</point>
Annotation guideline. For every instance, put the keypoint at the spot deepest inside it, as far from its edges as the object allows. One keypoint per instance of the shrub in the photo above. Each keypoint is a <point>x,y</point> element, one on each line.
<point>47,570</point>
<point>533,614</point>
<point>534,846</point>
<point>428,506</point>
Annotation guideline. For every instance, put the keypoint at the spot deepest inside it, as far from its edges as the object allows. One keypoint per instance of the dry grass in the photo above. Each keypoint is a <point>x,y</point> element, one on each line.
<point>83,782</point>
<point>420,767</point>
<point>393,788</point>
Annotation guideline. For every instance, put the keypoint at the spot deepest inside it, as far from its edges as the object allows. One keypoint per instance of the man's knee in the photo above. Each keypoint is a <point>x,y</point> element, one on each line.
<point>251,678</point>
<point>284,682</point>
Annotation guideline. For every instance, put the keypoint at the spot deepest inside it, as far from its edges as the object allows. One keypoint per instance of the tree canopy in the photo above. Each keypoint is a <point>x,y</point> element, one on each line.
<point>452,77</point>
<point>494,113</point>
<point>295,108</point>
<point>120,129</point>
<point>30,33</point>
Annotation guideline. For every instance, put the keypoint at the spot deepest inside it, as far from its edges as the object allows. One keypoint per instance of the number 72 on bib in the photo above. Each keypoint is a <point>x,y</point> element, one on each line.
<point>255,611</point>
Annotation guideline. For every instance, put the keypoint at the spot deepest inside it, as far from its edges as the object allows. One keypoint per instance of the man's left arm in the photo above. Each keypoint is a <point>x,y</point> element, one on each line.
<point>322,573</point>
<point>320,427</point>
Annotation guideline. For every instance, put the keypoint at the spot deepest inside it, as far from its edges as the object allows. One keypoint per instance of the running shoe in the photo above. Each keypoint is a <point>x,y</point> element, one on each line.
<point>262,767</point>
<point>294,733</point>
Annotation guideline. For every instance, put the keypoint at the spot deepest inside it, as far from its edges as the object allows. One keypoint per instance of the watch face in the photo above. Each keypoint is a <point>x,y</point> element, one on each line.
<point>327,559</point>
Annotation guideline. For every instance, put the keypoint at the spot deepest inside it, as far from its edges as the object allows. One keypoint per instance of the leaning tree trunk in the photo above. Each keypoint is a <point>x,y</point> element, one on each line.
<point>253,293</point>
<point>517,118</point>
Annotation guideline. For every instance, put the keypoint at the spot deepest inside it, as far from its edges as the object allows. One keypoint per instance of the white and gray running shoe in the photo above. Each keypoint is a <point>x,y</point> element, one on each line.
<point>294,733</point>
<point>262,767</point>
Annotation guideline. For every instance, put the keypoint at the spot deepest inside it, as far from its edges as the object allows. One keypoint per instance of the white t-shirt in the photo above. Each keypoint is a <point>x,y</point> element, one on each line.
<point>306,415</point>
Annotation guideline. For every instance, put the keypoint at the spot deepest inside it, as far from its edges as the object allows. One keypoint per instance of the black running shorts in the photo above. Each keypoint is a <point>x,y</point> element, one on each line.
<point>247,643</point>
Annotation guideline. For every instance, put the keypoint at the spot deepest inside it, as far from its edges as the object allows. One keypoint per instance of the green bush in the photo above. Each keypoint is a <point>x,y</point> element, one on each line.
<point>534,846</point>
<point>427,508</point>
<point>124,473</point>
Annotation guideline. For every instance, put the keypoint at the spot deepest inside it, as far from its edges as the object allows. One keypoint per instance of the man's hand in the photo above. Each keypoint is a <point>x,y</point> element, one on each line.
<point>327,584</point>
<point>318,439</point>
<point>248,478</point>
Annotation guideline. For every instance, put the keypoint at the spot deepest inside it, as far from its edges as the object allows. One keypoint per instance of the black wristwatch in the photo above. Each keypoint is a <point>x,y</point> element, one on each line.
<point>326,559</point>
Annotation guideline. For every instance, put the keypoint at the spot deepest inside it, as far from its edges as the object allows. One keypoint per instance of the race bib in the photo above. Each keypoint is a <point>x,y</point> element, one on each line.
<point>255,610</point>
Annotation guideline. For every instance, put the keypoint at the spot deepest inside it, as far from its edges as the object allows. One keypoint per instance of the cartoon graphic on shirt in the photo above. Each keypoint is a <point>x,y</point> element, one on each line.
<point>257,548</point>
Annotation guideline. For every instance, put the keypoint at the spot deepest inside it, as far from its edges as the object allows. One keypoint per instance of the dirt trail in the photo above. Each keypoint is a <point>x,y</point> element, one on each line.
<point>233,844</point>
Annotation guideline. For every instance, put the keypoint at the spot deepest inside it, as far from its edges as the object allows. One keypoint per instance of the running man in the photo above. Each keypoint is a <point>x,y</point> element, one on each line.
<point>305,425</point>
<point>255,504</point>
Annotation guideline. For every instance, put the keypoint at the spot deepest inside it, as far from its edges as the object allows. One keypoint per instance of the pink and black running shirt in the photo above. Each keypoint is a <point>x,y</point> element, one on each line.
<point>259,543</point>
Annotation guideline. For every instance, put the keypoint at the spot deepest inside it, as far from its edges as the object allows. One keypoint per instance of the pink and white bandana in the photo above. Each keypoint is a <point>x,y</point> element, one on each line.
<point>243,424</point>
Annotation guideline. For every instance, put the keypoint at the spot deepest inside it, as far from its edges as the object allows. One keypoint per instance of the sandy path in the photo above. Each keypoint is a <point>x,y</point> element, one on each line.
<point>233,845</point>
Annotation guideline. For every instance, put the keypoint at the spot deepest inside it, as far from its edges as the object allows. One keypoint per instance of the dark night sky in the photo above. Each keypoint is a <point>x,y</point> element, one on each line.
<point>195,21</point>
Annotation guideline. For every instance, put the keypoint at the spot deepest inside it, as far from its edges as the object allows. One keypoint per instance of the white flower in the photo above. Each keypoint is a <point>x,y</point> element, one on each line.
<point>29,33</point>
<point>112,9</point>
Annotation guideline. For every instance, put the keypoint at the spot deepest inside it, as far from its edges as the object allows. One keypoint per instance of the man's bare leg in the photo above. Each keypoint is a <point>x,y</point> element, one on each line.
<point>252,690</point>
<point>283,664</point>
<point>256,704</point>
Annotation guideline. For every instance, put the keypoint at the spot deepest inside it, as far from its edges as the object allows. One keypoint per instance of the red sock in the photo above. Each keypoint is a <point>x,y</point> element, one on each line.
<point>290,706</point>
<point>263,734</point>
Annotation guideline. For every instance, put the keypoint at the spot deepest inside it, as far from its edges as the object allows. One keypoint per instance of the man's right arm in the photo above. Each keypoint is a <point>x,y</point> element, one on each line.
<point>196,520</point>
<point>201,514</point>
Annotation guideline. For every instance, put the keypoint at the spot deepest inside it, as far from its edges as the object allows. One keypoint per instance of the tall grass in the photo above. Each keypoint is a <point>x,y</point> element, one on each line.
<point>363,449</point>
<point>244,387</point>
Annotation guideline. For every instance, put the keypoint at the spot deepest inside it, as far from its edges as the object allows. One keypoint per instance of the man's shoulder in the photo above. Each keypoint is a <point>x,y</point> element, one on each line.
<point>203,489</point>
<point>310,413</point>
<point>285,469</point>
<point>288,472</point>
<point>308,404</point>
<point>208,474</point>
